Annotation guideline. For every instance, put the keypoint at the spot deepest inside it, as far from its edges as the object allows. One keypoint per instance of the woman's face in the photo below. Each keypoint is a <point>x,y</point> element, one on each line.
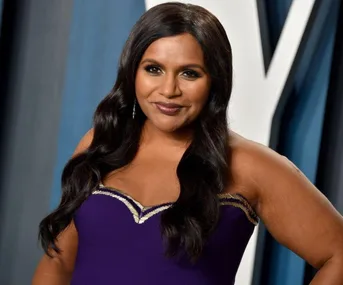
<point>172,84</point>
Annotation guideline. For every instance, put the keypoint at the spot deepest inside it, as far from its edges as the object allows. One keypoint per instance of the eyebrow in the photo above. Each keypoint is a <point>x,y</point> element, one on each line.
<point>191,65</point>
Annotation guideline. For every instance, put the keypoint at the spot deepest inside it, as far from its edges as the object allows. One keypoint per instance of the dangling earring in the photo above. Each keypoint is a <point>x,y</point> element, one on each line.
<point>134,109</point>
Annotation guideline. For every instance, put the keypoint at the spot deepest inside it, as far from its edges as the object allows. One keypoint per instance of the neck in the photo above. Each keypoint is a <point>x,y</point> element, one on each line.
<point>153,136</point>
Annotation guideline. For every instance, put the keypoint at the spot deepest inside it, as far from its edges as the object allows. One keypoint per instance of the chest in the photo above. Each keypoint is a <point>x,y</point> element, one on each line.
<point>149,180</point>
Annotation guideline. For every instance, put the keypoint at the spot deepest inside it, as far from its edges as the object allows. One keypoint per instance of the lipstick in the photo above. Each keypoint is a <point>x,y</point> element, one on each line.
<point>169,109</point>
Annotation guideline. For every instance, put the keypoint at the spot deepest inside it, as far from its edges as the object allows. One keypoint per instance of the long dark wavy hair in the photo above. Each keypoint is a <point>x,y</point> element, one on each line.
<point>204,169</point>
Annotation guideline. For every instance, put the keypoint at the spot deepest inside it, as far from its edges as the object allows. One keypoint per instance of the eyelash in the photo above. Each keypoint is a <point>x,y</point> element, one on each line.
<point>192,74</point>
<point>150,69</point>
<point>155,70</point>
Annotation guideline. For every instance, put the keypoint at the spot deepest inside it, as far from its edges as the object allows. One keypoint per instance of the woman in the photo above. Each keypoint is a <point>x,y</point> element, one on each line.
<point>191,190</point>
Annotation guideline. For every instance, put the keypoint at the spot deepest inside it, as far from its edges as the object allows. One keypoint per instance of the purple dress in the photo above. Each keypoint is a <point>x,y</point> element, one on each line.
<point>120,243</point>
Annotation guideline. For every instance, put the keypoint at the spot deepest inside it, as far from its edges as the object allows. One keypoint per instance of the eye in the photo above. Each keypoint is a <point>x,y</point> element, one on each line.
<point>153,69</point>
<point>191,74</point>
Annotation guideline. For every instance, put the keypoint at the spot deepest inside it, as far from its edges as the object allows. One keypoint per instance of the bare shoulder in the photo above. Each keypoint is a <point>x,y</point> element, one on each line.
<point>85,142</point>
<point>247,151</point>
<point>255,165</point>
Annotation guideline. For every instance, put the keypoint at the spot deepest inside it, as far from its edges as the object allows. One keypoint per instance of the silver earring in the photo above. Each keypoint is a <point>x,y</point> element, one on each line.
<point>134,109</point>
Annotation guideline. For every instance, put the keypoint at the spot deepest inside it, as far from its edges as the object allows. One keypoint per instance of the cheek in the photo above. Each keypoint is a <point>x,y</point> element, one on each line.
<point>198,94</point>
<point>144,85</point>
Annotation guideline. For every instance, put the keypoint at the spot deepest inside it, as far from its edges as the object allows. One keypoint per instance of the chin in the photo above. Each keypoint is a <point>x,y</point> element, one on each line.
<point>167,126</point>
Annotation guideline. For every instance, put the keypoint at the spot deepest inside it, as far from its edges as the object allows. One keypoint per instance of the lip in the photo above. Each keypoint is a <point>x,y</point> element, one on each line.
<point>169,109</point>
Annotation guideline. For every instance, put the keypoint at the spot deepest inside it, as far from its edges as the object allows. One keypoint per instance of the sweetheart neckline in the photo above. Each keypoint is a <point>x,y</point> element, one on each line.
<point>121,192</point>
<point>142,214</point>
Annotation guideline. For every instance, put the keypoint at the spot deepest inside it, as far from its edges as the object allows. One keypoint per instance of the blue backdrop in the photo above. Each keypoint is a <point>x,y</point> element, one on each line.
<point>98,32</point>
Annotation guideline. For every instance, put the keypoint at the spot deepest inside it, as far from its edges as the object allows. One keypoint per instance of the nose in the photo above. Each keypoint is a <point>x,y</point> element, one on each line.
<point>170,87</point>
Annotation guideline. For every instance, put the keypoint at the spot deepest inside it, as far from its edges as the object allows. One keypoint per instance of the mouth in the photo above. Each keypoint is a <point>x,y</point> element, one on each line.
<point>169,109</point>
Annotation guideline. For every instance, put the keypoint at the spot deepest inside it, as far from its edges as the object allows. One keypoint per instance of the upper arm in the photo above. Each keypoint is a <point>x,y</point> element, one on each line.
<point>58,268</point>
<point>294,211</point>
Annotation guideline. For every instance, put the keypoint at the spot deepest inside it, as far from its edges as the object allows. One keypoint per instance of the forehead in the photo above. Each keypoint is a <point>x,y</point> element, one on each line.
<point>180,49</point>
